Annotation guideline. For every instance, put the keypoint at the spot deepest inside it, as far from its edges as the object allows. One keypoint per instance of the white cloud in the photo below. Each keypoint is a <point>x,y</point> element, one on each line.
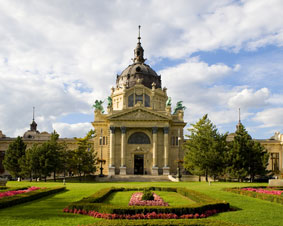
<point>62,55</point>
<point>72,130</point>
<point>248,98</point>
<point>270,117</point>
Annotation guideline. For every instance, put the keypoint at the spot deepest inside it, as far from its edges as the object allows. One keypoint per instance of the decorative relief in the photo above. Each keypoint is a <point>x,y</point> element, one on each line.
<point>140,115</point>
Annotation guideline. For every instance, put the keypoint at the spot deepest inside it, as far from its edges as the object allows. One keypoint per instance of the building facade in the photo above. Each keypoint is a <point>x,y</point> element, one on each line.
<point>139,134</point>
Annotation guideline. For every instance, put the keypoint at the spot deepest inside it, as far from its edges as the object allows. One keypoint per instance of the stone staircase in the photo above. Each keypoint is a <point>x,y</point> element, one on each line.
<point>132,178</point>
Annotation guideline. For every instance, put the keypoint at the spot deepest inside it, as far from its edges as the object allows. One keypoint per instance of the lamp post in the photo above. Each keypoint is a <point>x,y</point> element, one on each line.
<point>179,160</point>
<point>101,168</point>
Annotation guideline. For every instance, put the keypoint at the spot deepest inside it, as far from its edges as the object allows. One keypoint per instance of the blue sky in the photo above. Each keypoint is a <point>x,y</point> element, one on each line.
<point>216,56</point>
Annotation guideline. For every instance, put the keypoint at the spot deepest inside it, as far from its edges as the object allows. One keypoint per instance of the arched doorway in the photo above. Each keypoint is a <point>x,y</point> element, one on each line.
<point>139,138</point>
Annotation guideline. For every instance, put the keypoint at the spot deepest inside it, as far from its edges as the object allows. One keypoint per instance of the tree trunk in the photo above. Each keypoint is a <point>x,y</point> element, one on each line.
<point>45,178</point>
<point>54,175</point>
<point>199,178</point>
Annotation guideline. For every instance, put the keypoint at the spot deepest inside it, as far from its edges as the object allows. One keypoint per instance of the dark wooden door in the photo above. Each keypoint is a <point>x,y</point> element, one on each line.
<point>139,164</point>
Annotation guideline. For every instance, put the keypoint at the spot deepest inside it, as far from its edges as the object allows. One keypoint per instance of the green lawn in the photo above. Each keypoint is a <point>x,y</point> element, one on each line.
<point>120,198</point>
<point>48,211</point>
<point>173,198</point>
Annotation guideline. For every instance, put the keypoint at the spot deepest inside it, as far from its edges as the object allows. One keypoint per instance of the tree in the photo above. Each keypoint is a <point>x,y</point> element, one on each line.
<point>204,150</point>
<point>84,158</point>
<point>246,157</point>
<point>13,157</point>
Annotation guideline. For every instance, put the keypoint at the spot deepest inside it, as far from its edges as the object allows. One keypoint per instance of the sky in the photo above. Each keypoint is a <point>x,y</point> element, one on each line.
<point>215,56</point>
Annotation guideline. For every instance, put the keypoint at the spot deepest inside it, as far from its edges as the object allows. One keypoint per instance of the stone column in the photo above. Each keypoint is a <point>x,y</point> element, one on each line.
<point>123,151</point>
<point>112,147</point>
<point>154,151</point>
<point>166,168</point>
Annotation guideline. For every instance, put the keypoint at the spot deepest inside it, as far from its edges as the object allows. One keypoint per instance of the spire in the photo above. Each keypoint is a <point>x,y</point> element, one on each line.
<point>139,50</point>
<point>139,37</point>
<point>33,125</point>
<point>239,123</point>
<point>33,113</point>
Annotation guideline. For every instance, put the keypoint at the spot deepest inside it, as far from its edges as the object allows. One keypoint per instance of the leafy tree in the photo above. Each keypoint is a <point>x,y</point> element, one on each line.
<point>204,150</point>
<point>84,158</point>
<point>246,157</point>
<point>13,157</point>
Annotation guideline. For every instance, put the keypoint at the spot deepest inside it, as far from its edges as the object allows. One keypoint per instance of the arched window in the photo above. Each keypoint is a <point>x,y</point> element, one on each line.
<point>138,138</point>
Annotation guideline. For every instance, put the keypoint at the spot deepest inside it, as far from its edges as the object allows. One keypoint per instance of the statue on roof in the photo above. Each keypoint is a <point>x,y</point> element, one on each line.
<point>109,99</point>
<point>98,105</point>
<point>179,106</point>
<point>168,102</point>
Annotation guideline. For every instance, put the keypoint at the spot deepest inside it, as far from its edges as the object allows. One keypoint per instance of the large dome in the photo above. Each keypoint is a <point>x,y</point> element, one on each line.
<point>138,70</point>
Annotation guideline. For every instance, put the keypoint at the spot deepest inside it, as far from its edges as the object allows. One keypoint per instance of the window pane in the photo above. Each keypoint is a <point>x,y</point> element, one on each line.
<point>139,98</point>
<point>139,138</point>
<point>131,100</point>
<point>147,101</point>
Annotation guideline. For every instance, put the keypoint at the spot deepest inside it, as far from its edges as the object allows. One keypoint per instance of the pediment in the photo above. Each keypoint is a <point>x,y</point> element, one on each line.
<point>139,114</point>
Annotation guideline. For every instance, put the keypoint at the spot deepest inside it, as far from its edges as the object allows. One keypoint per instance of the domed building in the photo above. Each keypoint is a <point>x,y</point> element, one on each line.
<point>139,134</point>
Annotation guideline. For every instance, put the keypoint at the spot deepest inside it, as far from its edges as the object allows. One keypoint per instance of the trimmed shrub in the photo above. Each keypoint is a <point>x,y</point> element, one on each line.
<point>203,203</point>
<point>147,195</point>
<point>196,222</point>
<point>26,197</point>
<point>263,196</point>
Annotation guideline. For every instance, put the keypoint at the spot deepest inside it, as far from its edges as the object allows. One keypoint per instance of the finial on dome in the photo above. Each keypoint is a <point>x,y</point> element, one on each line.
<point>239,123</point>
<point>139,37</point>
<point>33,113</point>
<point>139,50</point>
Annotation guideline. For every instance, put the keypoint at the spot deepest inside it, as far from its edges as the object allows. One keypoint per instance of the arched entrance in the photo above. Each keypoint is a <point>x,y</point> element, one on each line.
<point>139,140</point>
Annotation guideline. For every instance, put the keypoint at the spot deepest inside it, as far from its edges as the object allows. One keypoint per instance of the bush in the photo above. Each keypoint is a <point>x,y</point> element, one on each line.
<point>203,203</point>
<point>147,195</point>
<point>196,222</point>
<point>271,198</point>
<point>26,197</point>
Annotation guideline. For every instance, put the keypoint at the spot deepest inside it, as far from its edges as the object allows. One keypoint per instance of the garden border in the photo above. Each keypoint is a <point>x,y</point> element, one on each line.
<point>203,203</point>
<point>29,196</point>
<point>263,196</point>
<point>175,222</point>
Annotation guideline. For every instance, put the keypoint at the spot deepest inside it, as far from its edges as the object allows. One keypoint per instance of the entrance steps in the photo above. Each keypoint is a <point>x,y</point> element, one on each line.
<point>133,178</point>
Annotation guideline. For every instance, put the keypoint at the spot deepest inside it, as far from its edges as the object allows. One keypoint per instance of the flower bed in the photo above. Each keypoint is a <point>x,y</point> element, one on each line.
<point>8,201</point>
<point>16,192</point>
<point>260,193</point>
<point>264,191</point>
<point>95,204</point>
<point>136,200</point>
<point>152,215</point>
<point>163,222</point>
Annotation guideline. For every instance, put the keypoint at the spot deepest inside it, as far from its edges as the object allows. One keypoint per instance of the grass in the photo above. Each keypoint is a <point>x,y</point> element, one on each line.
<point>48,211</point>
<point>119,198</point>
<point>174,199</point>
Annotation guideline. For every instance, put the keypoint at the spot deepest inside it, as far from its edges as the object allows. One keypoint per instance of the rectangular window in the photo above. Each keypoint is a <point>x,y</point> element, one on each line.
<point>275,162</point>
<point>139,98</point>
<point>147,101</point>
<point>131,100</point>
<point>177,141</point>
<point>103,140</point>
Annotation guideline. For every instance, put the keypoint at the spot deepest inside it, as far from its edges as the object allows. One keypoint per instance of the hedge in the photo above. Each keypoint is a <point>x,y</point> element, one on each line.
<point>4,189</point>
<point>29,196</point>
<point>203,203</point>
<point>195,222</point>
<point>263,196</point>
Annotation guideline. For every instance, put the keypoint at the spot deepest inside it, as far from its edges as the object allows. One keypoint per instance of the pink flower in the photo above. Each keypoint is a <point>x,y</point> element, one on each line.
<point>11,193</point>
